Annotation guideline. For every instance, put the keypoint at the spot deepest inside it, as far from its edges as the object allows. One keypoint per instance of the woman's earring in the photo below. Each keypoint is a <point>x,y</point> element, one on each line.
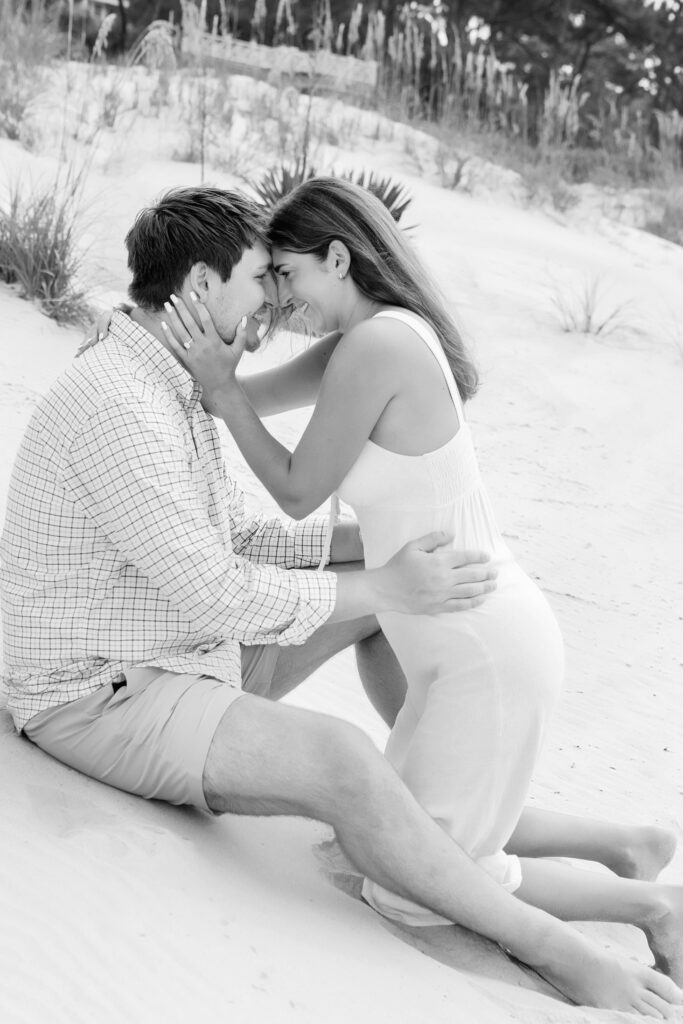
<point>341,276</point>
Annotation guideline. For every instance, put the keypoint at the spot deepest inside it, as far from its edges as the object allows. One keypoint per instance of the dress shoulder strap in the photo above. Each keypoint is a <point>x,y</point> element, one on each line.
<point>428,335</point>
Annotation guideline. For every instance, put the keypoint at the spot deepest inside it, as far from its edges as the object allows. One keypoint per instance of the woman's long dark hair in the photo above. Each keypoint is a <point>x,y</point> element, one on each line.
<point>384,265</point>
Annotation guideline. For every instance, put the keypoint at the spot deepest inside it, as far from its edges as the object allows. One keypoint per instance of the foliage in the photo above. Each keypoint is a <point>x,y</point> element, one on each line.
<point>596,81</point>
<point>586,308</point>
<point>28,42</point>
<point>281,180</point>
<point>669,224</point>
<point>38,247</point>
<point>155,47</point>
<point>393,194</point>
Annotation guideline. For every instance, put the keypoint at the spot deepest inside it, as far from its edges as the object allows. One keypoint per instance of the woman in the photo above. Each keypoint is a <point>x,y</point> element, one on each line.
<point>389,434</point>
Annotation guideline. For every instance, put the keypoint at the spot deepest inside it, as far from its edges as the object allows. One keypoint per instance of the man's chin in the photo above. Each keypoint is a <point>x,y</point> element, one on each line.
<point>253,344</point>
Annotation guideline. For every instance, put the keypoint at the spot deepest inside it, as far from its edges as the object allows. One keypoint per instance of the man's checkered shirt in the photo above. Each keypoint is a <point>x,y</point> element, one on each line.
<point>126,543</point>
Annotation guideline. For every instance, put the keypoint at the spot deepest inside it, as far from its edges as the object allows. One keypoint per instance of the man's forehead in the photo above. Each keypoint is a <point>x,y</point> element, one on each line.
<point>257,256</point>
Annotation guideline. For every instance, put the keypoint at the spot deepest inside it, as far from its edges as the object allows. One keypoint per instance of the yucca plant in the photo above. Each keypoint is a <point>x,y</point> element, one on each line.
<point>393,194</point>
<point>279,181</point>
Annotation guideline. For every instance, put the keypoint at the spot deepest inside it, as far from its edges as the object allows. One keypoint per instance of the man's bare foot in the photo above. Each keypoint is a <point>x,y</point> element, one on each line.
<point>646,852</point>
<point>664,932</point>
<point>590,977</point>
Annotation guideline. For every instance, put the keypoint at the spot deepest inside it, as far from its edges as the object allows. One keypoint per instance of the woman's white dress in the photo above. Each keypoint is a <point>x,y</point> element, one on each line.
<point>481,683</point>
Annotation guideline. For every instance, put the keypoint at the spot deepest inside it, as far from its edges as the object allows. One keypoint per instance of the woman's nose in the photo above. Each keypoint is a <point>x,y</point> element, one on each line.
<point>284,294</point>
<point>270,286</point>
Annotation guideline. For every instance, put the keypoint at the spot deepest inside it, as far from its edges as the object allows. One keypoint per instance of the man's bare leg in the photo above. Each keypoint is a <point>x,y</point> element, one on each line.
<point>573,894</point>
<point>267,758</point>
<point>631,851</point>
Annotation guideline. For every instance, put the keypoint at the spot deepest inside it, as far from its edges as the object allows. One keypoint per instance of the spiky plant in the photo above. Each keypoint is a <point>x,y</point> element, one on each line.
<point>393,194</point>
<point>279,181</point>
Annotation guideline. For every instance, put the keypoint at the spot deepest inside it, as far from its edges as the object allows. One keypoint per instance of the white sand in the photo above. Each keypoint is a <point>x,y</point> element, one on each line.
<point>115,909</point>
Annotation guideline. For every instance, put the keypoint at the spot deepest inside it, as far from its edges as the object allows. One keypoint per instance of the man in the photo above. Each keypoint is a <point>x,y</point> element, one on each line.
<point>150,624</point>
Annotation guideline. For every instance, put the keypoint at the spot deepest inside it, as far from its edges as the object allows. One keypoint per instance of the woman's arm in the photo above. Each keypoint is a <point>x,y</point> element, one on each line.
<point>355,390</point>
<point>294,384</point>
<point>358,384</point>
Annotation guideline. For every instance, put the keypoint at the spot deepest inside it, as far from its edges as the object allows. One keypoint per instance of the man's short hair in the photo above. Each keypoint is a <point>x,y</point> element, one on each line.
<point>187,226</point>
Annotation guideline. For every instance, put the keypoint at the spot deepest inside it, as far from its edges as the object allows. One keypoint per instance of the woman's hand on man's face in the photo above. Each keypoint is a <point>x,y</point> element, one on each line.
<point>199,347</point>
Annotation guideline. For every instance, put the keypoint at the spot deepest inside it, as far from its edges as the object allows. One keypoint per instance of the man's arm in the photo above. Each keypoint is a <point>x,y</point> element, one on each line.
<point>426,577</point>
<point>270,540</point>
<point>131,476</point>
<point>129,472</point>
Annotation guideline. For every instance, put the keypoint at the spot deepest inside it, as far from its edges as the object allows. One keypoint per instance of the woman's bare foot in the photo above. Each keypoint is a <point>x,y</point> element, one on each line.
<point>590,977</point>
<point>646,852</point>
<point>664,931</point>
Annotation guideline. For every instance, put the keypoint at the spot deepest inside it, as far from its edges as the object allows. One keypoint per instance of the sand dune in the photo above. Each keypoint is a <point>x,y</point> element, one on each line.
<point>115,909</point>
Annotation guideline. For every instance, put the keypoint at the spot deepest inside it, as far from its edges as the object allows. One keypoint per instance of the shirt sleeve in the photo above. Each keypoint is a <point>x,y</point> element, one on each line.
<point>130,473</point>
<point>272,541</point>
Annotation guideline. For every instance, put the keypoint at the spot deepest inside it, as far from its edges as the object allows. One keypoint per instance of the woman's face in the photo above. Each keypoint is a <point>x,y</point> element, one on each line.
<point>304,281</point>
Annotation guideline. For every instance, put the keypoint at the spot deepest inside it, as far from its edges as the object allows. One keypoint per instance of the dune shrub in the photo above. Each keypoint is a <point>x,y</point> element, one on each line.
<point>586,307</point>
<point>38,245</point>
<point>669,224</point>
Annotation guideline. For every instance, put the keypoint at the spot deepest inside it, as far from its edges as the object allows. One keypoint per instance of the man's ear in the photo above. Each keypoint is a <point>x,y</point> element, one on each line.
<point>338,258</point>
<point>199,278</point>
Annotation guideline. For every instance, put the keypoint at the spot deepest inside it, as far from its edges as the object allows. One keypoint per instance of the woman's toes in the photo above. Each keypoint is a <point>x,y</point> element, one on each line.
<point>645,1010</point>
<point>657,1007</point>
<point>661,987</point>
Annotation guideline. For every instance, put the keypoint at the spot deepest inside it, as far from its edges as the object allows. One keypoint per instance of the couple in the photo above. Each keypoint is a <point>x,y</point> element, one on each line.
<point>151,625</point>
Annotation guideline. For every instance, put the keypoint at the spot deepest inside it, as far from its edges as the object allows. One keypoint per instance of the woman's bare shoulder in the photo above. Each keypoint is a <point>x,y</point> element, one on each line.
<point>385,338</point>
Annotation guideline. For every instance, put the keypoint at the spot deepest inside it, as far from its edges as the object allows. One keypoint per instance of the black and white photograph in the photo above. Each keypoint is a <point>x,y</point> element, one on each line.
<point>341,511</point>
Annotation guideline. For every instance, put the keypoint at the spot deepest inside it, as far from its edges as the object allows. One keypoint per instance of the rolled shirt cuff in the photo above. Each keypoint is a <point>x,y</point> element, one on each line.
<point>317,598</point>
<point>311,542</point>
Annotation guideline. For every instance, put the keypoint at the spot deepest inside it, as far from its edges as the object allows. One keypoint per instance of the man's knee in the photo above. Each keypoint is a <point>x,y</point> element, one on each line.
<point>269,758</point>
<point>348,760</point>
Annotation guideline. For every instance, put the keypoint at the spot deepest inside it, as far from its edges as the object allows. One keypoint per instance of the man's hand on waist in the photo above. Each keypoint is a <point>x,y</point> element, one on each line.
<point>426,577</point>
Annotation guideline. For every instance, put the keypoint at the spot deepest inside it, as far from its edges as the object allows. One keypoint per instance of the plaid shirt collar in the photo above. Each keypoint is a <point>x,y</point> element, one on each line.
<point>156,358</point>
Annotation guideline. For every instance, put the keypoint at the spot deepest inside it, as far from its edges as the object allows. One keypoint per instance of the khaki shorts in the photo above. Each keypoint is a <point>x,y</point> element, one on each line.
<point>150,735</point>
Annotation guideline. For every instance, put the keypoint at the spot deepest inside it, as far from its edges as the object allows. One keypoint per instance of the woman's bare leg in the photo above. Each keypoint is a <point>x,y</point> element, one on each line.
<point>631,851</point>
<point>574,894</point>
